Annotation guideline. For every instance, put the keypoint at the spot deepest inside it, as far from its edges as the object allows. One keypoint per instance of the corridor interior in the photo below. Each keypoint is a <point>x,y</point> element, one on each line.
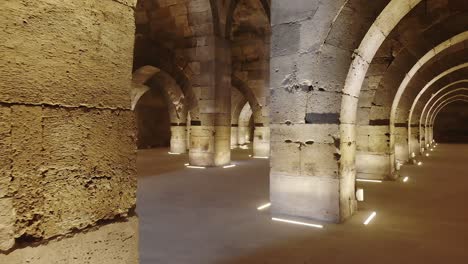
<point>233,131</point>
<point>210,216</point>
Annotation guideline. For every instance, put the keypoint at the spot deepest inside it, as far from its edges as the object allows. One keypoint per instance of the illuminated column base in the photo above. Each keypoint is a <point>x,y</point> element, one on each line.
<point>373,166</point>
<point>178,139</point>
<point>210,146</point>
<point>234,136</point>
<point>311,197</point>
<point>261,142</point>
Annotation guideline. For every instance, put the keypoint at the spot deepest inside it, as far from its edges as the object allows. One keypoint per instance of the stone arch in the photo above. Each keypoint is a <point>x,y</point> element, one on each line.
<point>442,104</point>
<point>430,103</point>
<point>237,103</point>
<point>244,124</point>
<point>439,101</point>
<point>423,90</point>
<point>433,126</point>
<point>388,64</point>
<point>149,77</point>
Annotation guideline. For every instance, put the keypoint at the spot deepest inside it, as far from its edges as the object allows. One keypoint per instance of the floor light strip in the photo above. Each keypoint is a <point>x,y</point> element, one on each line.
<point>365,180</point>
<point>405,179</point>
<point>186,164</point>
<point>229,166</point>
<point>370,218</point>
<point>173,153</point>
<point>195,167</point>
<point>263,206</point>
<point>420,163</point>
<point>296,223</point>
<point>259,157</point>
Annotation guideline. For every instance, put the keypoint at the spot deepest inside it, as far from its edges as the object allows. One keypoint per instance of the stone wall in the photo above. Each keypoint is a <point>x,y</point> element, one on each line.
<point>67,135</point>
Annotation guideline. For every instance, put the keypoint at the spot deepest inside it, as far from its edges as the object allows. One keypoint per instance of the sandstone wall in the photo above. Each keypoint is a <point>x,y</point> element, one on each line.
<point>67,135</point>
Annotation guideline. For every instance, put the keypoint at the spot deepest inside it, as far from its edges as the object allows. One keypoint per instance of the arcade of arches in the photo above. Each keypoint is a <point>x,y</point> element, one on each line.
<point>101,98</point>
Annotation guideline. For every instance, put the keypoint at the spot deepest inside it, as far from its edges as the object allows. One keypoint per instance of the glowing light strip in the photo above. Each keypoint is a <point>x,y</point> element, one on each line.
<point>365,180</point>
<point>186,164</point>
<point>229,166</point>
<point>370,218</point>
<point>173,153</point>
<point>263,206</point>
<point>420,163</point>
<point>296,223</point>
<point>258,157</point>
<point>405,179</point>
<point>195,167</point>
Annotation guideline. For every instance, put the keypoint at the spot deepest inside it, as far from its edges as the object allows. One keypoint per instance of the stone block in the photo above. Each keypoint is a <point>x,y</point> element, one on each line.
<point>73,53</point>
<point>306,197</point>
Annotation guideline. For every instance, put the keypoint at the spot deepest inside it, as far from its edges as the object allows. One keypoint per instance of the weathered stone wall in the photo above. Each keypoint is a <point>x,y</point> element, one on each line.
<point>67,135</point>
<point>115,243</point>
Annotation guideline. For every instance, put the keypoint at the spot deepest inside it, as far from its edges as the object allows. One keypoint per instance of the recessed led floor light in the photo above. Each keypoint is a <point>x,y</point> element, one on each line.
<point>195,167</point>
<point>264,206</point>
<point>229,166</point>
<point>365,180</point>
<point>186,164</point>
<point>258,157</point>
<point>420,163</point>
<point>405,179</point>
<point>173,153</point>
<point>296,222</point>
<point>427,154</point>
<point>370,218</point>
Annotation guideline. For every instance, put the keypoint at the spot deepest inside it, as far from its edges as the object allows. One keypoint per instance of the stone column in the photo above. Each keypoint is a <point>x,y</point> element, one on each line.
<point>210,142</point>
<point>178,138</point>
<point>306,179</point>
<point>234,135</point>
<point>67,132</point>
<point>373,155</point>
<point>261,141</point>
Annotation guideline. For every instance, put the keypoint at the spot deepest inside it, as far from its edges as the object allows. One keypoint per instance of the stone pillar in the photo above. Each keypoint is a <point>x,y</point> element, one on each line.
<point>401,143</point>
<point>67,132</point>
<point>373,156</point>
<point>210,138</point>
<point>306,179</point>
<point>178,138</point>
<point>261,142</point>
<point>234,135</point>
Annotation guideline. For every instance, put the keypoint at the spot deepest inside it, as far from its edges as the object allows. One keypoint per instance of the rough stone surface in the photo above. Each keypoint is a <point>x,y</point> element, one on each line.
<point>70,168</point>
<point>114,243</point>
<point>73,53</point>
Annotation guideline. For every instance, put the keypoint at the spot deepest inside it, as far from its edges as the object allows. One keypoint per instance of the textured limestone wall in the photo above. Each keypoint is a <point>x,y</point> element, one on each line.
<point>67,135</point>
<point>115,243</point>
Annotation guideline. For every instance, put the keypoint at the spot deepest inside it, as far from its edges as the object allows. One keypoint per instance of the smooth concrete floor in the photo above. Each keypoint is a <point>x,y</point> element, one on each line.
<point>191,216</point>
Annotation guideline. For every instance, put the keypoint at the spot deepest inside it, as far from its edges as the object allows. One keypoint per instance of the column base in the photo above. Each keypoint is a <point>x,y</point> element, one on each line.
<point>309,197</point>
